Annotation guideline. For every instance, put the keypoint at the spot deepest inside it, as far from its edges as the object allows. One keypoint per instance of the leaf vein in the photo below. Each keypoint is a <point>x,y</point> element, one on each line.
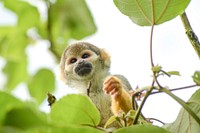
<point>142,11</point>
<point>189,123</point>
<point>163,11</point>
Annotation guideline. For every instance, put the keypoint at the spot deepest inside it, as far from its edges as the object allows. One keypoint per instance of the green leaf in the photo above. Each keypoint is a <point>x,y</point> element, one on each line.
<point>156,68</point>
<point>184,123</point>
<point>111,120</point>
<point>51,129</point>
<point>41,83</point>
<point>16,72</point>
<point>6,129</point>
<point>149,12</point>
<point>72,18</point>
<point>69,19</point>
<point>196,77</point>
<point>24,118</point>
<point>12,47</point>
<point>142,129</point>
<point>75,110</point>
<point>176,73</point>
<point>182,103</point>
<point>131,114</point>
<point>28,15</point>
<point>75,129</point>
<point>7,103</point>
<point>14,39</point>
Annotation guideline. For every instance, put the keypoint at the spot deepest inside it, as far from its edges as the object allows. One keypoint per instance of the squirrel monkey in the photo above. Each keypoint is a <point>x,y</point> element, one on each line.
<point>84,66</point>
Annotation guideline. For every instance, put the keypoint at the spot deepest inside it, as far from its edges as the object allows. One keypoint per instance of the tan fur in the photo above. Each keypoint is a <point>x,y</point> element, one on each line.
<point>121,100</point>
<point>101,80</point>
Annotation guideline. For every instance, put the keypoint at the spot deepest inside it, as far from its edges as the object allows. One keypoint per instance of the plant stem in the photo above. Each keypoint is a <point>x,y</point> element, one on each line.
<point>190,34</point>
<point>184,105</point>
<point>49,31</point>
<point>175,89</point>
<point>151,46</point>
<point>138,112</point>
<point>154,119</point>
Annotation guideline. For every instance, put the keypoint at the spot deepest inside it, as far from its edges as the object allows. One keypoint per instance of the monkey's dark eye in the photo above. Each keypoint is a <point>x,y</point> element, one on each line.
<point>73,60</point>
<point>86,55</point>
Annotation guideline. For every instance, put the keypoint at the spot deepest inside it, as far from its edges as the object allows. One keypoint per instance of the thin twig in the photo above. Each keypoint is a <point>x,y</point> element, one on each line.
<point>165,73</point>
<point>138,112</point>
<point>154,119</point>
<point>190,34</point>
<point>49,31</point>
<point>175,89</point>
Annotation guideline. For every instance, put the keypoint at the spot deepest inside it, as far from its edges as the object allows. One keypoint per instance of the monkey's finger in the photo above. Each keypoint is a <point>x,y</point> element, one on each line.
<point>110,82</point>
<point>112,86</point>
<point>114,91</point>
<point>111,79</point>
<point>109,87</point>
<point>106,85</point>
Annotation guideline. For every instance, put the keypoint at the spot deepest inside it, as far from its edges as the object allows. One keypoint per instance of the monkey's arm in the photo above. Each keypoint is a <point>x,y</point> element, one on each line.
<point>117,86</point>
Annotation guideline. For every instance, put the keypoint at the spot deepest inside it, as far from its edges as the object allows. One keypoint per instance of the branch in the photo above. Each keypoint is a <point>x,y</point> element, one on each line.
<point>175,89</point>
<point>138,112</point>
<point>154,119</point>
<point>49,31</point>
<point>190,34</point>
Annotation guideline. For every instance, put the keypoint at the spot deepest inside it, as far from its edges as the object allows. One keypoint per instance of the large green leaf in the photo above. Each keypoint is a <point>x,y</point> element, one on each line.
<point>69,19</point>
<point>184,122</point>
<point>25,118</point>
<point>75,110</point>
<point>16,115</point>
<point>28,15</point>
<point>142,129</point>
<point>8,129</point>
<point>12,47</point>
<point>41,83</point>
<point>7,102</point>
<point>14,39</point>
<point>149,12</point>
<point>52,129</point>
<point>16,72</point>
<point>75,129</point>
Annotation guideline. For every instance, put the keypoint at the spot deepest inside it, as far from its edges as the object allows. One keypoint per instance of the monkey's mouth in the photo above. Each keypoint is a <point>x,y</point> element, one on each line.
<point>83,69</point>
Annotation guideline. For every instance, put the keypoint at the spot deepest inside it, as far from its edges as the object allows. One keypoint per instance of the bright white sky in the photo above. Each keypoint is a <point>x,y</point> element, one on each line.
<point>128,44</point>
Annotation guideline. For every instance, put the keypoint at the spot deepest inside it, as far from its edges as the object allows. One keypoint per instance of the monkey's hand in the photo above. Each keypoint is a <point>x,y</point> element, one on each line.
<point>121,100</point>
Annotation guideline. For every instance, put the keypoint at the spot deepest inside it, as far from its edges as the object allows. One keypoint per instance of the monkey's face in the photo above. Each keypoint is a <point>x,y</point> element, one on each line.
<point>80,63</point>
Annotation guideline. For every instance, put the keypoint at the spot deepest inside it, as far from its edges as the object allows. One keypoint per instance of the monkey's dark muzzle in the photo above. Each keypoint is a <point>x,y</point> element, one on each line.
<point>83,68</point>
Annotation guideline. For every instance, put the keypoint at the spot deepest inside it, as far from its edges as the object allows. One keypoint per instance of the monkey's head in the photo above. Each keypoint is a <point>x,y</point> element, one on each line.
<point>83,61</point>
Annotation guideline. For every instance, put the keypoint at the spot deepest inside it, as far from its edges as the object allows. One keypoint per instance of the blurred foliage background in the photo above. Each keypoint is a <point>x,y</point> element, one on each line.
<point>57,23</point>
<point>63,21</point>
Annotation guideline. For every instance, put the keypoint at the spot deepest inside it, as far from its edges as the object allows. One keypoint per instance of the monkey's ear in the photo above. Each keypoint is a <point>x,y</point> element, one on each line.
<point>105,57</point>
<point>62,67</point>
<point>61,74</point>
